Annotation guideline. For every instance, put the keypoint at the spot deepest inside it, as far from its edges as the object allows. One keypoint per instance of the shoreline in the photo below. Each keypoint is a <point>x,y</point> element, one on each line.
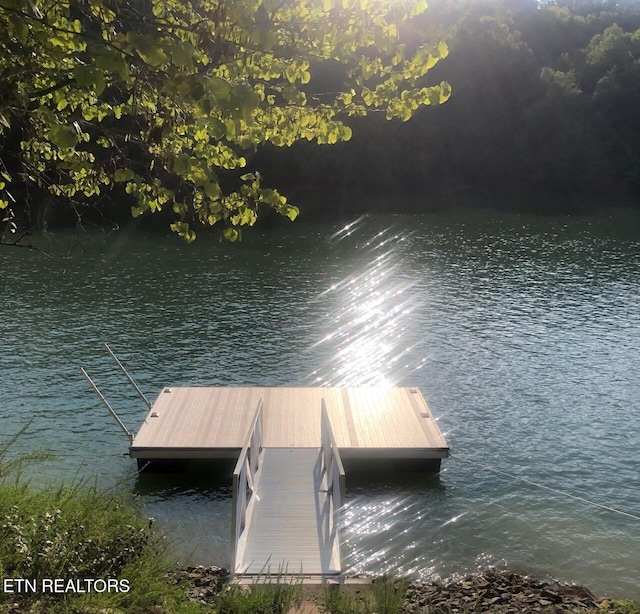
<point>494,590</point>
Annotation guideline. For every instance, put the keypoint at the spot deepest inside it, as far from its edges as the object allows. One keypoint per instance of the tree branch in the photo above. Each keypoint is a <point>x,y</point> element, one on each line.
<point>17,243</point>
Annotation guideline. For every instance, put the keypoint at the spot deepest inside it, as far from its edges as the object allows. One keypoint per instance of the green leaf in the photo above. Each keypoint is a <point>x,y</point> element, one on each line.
<point>99,82</point>
<point>434,95</point>
<point>267,38</point>
<point>218,88</point>
<point>420,6</point>
<point>180,164</point>
<point>243,101</point>
<point>290,72</point>
<point>231,234</point>
<point>198,175</point>
<point>291,212</point>
<point>153,55</point>
<point>123,174</point>
<point>62,136</point>
<point>84,76</point>
<point>149,49</point>
<point>182,55</point>
<point>211,189</point>
<point>90,77</point>
<point>109,60</point>
<point>20,28</point>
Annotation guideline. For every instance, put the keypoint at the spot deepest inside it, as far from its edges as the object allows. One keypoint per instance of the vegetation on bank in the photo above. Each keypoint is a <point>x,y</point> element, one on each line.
<point>96,540</point>
<point>83,533</point>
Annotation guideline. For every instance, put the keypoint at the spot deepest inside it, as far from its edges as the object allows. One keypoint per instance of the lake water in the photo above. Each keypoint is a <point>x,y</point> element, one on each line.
<point>523,334</point>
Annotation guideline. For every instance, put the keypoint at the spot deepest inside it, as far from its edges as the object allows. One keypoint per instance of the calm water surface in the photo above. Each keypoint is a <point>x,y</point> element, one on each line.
<point>523,334</point>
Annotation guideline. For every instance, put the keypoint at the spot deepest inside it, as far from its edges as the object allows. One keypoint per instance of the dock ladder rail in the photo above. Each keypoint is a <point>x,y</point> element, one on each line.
<point>244,479</point>
<point>334,475</point>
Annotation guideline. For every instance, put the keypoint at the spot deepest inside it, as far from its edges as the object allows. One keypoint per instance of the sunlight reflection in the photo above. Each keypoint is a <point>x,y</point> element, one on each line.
<point>369,322</point>
<point>348,229</point>
<point>378,537</point>
<point>367,341</point>
<point>454,519</point>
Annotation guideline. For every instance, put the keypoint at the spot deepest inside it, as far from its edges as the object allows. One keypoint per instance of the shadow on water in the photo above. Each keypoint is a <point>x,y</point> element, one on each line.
<point>402,474</point>
<point>208,476</point>
<point>212,477</point>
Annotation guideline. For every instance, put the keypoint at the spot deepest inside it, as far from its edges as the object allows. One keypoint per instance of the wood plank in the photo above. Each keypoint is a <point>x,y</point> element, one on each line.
<point>192,420</point>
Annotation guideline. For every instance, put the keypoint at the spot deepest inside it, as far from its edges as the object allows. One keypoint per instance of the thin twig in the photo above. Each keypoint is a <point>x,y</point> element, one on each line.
<point>17,243</point>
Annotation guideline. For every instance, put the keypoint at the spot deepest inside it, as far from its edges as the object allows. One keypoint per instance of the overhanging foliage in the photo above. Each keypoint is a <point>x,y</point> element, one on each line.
<point>163,98</point>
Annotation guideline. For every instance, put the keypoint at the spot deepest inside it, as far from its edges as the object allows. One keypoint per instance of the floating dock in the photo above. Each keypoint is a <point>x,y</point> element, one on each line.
<point>199,422</point>
<point>289,479</point>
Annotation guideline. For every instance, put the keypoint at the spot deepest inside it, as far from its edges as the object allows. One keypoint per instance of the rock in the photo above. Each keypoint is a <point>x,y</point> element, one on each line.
<point>501,592</point>
<point>203,583</point>
<point>498,592</point>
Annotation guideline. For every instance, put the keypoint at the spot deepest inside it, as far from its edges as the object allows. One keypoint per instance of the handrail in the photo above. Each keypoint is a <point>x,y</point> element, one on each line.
<point>243,482</point>
<point>106,403</point>
<point>128,376</point>
<point>334,472</point>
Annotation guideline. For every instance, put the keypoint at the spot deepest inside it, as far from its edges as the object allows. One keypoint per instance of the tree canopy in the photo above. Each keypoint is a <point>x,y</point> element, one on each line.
<point>159,101</point>
<point>543,117</point>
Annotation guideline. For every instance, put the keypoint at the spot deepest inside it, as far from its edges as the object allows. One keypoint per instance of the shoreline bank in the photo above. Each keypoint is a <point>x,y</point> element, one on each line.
<point>494,590</point>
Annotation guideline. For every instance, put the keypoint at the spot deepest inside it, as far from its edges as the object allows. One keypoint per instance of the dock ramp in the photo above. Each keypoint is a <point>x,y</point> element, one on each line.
<point>286,508</point>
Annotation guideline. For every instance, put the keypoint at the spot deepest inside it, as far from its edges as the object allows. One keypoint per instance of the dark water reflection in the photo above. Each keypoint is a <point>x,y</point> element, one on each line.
<point>523,334</point>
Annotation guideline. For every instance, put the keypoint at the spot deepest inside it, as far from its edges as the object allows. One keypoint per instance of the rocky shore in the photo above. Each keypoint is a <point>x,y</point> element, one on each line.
<point>496,591</point>
<point>501,592</point>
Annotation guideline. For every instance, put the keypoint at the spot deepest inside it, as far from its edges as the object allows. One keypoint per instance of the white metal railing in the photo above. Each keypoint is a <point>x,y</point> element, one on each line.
<point>106,403</point>
<point>333,473</point>
<point>244,480</point>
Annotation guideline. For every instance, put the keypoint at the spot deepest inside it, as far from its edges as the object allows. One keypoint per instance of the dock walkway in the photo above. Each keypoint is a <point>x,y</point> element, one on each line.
<point>290,530</point>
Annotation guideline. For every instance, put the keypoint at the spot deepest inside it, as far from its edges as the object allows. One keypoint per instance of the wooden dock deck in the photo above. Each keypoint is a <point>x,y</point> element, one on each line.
<point>201,422</point>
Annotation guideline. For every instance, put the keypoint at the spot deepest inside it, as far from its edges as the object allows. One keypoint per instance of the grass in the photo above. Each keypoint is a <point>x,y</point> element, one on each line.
<point>82,533</point>
<point>619,607</point>
<point>79,532</point>
<point>386,597</point>
<point>263,599</point>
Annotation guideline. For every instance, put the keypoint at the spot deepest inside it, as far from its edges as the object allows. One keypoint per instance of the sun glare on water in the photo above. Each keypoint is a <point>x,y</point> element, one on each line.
<point>368,319</point>
<point>367,339</point>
